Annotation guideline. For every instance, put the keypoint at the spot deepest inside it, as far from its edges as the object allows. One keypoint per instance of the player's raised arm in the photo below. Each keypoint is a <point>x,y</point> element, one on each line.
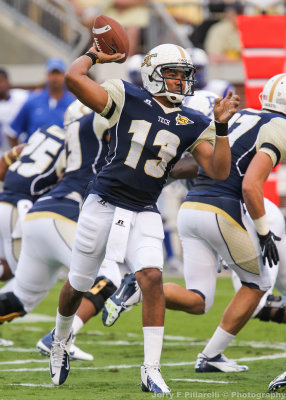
<point>85,89</point>
<point>216,161</point>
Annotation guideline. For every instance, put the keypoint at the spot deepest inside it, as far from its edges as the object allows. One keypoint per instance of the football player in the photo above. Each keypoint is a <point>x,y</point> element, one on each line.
<point>149,130</point>
<point>272,307</point>
<point>213,222</point>
<point>36,169</point>
<point>171,262</point>
<point>57,213</point>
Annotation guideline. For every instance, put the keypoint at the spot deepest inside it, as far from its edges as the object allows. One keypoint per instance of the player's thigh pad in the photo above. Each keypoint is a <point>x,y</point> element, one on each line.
<point>145,243</point>
<point>238,247</point>
<point>90,242</point>
<point>200,259</point>
<point>44,251</point>
<point>9,248</point>
<point>110,269</point>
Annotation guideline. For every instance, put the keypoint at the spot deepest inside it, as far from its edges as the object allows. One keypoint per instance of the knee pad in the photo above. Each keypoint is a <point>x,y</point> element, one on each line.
<point>10,307</point>
<point>101,290</point>
<point>274,309</point>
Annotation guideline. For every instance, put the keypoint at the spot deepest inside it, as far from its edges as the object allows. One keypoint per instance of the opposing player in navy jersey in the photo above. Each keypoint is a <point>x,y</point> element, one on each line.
<point>149,130</point>
<point>34,173</point>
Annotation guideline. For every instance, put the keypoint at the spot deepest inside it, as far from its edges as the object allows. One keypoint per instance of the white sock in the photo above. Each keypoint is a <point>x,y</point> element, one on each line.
<point>153,341</point>
<point>63,326</point>
<point>218,342</point>
<point>77,324</point>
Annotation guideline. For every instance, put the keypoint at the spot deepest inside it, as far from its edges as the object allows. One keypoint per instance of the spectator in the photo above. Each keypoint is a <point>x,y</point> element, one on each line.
<point>222,39</point>
<point>185,12</point>
<point>10,102</point>
<point>133,15</point>
<point>44,107</point>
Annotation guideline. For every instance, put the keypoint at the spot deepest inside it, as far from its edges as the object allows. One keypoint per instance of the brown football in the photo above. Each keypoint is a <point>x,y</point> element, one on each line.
<point>110,37</point>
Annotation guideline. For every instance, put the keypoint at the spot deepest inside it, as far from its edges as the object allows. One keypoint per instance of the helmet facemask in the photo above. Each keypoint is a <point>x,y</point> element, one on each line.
<point>186,84</point>
<point>164,57</point>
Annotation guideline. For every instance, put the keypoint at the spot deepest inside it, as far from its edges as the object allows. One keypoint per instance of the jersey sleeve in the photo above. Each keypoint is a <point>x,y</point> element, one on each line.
<point>207,135</point>
<point>271,140</point>
<point>116,96</point>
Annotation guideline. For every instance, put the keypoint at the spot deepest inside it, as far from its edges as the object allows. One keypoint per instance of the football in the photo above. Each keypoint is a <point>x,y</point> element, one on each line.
<point>110,37</point>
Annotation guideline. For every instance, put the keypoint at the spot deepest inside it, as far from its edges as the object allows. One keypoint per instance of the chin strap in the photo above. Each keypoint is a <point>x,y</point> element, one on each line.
<point>172,97</point>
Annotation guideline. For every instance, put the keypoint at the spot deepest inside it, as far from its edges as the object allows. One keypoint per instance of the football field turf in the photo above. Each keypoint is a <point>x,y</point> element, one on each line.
<point>118,352</point>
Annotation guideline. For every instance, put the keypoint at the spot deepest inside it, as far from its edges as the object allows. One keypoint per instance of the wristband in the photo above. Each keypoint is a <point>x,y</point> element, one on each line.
<point>7,159</point>
<point>221,129</point>
<point>93,57</point>
<point>261,225</point>
<point>15,152</point>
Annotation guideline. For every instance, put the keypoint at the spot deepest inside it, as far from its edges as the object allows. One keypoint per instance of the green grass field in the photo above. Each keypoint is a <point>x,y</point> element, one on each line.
<point>118,352</point>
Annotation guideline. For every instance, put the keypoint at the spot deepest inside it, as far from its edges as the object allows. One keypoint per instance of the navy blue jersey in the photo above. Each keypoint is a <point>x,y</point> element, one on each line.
<point>37,169</point>
<point>85,155</point>
<point>146,141</point>
<point>250,131</point>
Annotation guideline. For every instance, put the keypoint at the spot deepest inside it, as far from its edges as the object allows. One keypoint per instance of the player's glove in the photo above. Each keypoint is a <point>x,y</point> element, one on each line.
<point>268,248</point>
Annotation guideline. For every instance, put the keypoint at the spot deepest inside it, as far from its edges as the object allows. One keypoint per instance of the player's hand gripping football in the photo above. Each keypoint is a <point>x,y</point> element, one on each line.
<point>105,58</point>
<point>226,107</point>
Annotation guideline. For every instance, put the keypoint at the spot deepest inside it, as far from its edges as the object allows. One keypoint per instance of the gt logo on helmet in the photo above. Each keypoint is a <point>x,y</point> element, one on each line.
<point>147,60</point>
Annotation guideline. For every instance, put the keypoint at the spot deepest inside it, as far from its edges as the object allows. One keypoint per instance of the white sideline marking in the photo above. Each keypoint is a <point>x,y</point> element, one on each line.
<point>183,363</point>
<point>4,342</point>
<point>201,380</point>
<point>32,318</point>
<point>50,385</point>
<point>19,350</point>
<point>22,362</point>
<point>190,342</point>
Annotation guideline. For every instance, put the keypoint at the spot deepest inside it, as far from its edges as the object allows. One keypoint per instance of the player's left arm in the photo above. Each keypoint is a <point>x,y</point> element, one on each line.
<point>216,161</point>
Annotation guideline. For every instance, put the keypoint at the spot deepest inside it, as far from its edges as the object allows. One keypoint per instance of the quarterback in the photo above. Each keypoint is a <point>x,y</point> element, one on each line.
<point>149,130</point>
